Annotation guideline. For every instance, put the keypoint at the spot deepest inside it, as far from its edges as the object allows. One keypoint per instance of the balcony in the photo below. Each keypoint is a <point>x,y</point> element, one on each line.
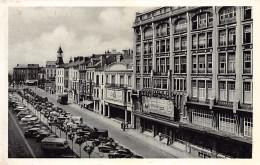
<point>160,74</point>
<point>246,106</point>
<point>225,103</point>
<point>195,99</point>
<point>112,85</point>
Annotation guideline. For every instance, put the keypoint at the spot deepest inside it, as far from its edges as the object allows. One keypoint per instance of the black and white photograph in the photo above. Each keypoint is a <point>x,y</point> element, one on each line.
<point>130,83</point>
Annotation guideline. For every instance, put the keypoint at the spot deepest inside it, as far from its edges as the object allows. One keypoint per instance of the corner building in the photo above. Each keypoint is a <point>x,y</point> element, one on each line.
<point>194,77</point>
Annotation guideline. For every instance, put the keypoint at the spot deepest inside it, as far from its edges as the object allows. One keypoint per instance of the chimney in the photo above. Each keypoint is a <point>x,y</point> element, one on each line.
<point>118,58</point>
<point>103,60</point>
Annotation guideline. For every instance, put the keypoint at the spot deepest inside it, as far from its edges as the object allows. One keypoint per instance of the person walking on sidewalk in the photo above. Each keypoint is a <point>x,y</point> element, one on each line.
<point>124,127</point>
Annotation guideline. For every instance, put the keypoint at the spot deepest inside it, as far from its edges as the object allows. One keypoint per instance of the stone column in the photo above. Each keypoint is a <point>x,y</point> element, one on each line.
<point>142,57</point>
<point>215,55</point>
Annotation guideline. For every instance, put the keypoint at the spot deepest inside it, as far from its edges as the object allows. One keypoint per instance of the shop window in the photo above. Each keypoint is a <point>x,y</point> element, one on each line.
<point>202,118</point>
<point>227,123</point>
<point>248,126</point>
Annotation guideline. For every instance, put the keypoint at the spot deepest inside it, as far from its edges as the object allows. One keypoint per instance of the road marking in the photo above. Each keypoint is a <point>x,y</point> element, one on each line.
<point>26,143</point>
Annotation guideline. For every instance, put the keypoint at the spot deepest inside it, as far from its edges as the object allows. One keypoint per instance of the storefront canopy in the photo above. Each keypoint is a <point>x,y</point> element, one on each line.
<point>86,102</point>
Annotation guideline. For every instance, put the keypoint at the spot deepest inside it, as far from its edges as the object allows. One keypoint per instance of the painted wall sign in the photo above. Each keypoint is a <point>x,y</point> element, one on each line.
<point>159,106</point>
<point>116,95</point>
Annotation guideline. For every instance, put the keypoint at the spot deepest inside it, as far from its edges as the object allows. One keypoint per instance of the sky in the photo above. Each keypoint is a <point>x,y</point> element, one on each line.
<point>35,33</point>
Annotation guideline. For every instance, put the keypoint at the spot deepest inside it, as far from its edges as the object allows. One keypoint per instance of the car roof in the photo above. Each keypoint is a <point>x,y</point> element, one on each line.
<point>54,140</point>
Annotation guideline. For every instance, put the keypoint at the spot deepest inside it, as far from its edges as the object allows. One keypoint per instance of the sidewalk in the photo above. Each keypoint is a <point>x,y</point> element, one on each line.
<point>140,136</point>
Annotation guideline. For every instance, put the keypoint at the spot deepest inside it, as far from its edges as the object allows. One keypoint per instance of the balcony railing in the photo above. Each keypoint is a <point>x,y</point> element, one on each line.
<point>108,85</point>
<point>225,103</point>
<point>246,106</point>
<point>195,99</point>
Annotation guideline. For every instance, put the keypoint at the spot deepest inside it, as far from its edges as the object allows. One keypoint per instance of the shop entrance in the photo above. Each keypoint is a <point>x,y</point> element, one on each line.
<point>117,113</point>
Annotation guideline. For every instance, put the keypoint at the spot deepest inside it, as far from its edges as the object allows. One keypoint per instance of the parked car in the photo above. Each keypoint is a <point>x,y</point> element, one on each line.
<point>33,132</point>
<point>54,145</point>
<point>42,134</point>
<point>27,118</point>
<point>121,153</point>
<point>22,114</point>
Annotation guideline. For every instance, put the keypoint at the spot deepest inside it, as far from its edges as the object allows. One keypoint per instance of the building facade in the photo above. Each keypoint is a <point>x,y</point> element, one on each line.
<point>193,78</point>
<point>26,74</point>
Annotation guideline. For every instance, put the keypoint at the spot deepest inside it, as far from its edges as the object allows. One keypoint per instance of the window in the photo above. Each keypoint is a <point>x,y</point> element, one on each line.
<point>247,93</point>
<point>194,42</point>
<point>194,64</point>
<point>150,48</point>
<point>202,40</point>
<point>138,66</point>
<point>194,88</point>
<point>202,89</point>
<point>183,43</point>
<point>163,65</point>
<point>138,50</point>
<point>164,84</point>
<point>183,64</point>
<point>202,20</point>
<point>138,83</point>
<point>129,97</point>
<point>231,91</point>
<point>167,64</point>
<point>148,33</point>
<point>209,60</point>
<point>162,46</point>
<point>210,19</point>
<point>227,15</point>
<point>202,118</point>
<point>222,91</point>
<point>157,64</point>
<point>231,63</point>
<point>102,80</point>
<point>167,45</point>
<point>147,82</point>
<point>179,84</point>
<point>227,123</point>
<point>145,65</point>
<point>158,83</point>
<point>157,47</point>
<point>201,63</point>
<point>247,62</point>
<point>122,80</point>
<point>145,48</point>
<point>248,126</point>
<point>113,79</point>
<point>150,65</point>
<point>222,63</point>
<point>247,12</point>
<point>176,44</point>
<point>180,26</point>
<point>129,81</point>
<point>209,39</point>
<point>209,89</point>
<point>222,38</point>
<point>176,65</point>
<point>107,79</point>
<point>97,79</point>
<point>231,37</point>
<point>247,34</point>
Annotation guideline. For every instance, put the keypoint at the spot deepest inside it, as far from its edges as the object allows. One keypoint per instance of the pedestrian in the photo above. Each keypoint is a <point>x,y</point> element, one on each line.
<point>124,127</point>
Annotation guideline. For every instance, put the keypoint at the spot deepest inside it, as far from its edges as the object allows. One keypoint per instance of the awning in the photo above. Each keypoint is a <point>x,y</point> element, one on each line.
<point>86,102</point>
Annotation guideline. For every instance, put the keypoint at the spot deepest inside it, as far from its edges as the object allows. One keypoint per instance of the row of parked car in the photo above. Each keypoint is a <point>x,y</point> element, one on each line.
<point>75,127</point>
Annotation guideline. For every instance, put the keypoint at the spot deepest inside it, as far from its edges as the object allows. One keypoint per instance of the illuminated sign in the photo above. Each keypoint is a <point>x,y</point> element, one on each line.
<point>158,106</point>
<point>116,95</point>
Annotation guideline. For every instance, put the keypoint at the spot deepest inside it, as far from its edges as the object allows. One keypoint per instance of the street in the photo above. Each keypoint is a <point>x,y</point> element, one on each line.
<point>138,145</point>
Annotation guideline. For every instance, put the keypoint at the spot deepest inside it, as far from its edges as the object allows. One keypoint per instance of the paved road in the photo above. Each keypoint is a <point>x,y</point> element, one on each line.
<point>135,144</point>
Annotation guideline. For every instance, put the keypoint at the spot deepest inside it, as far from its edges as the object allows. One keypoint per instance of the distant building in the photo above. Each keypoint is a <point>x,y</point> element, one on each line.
<point>26,73</point>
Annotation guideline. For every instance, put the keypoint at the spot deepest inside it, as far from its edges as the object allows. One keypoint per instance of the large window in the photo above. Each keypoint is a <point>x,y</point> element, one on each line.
<point>194,41</point>
<point>183,43</point>
<point>209,39</point>
<point>176,65</point>
<point>247,34</point>
<point>202,118</point>
<point>113,79</point>
<point>247,62</point>
<point>160,83</point>
<point>222,63</point>
<point>162,30</point>
<point>147,82</point>
<point>194,88</point>
<point>227,15</point>
<point>202,40</point>
<point>247,92</point>
<point>180,26</point>
<point>176,44</point>
<point>248,126</point>
<point>183,64</point>
<point>227,123</point>
<point>201,63</point>
<point>122,80</point>
<point>202,89</point>
<point>138,69</point>
<point>209,89</point>
<point>148,33</point>
<point>202,20</point>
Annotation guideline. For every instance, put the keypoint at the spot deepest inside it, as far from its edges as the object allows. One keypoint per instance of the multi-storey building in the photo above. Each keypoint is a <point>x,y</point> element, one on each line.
<point>50,76</point>
<point>27,73</point>
<point>41,77</point>
<point>193,78</point>
<point>60,73</point>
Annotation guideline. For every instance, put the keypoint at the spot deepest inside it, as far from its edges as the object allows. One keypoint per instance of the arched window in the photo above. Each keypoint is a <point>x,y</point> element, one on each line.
<point>227,15</point>
<point>162,30</point>
<point>180,26</point>
<point>202,20</point>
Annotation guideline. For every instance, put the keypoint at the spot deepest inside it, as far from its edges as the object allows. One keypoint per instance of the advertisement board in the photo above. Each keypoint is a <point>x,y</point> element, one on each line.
<point>158,106</point>
<point>116,95</point>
